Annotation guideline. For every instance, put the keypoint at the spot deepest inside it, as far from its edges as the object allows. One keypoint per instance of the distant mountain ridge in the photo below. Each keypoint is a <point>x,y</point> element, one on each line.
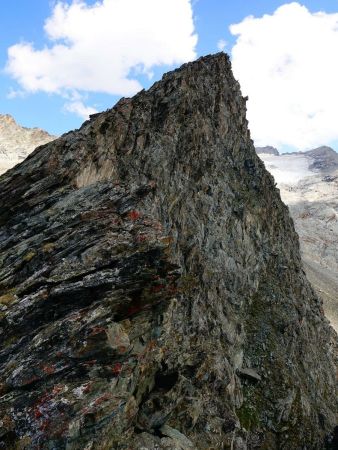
<point>308,183</point>
<point>17,142</point>
<point>324,157</point>
<point>269,150</point>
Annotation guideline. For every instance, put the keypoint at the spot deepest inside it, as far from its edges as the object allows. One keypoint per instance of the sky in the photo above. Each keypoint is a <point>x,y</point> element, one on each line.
<point>63,60</point>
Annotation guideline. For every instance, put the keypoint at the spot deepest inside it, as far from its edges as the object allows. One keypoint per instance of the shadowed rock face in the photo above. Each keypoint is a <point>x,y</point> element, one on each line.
<point>151,285</point>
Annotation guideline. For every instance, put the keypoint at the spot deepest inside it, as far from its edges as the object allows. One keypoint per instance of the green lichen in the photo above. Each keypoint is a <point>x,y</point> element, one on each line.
<point>29,256</point>
<point>48,247</point>
<point>7,299</point>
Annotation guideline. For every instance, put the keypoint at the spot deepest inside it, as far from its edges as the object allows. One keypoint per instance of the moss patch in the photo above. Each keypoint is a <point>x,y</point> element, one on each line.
<point>248,417</point>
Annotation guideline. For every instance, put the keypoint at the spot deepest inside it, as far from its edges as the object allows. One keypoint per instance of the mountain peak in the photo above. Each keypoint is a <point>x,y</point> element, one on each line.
<point>152,289</point>
<point>17,142</point>
<point>6,119</point>
<point>324,158</point>
<point>267,150</point>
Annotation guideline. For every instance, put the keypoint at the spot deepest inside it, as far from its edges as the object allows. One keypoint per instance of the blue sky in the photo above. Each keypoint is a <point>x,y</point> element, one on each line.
<point>57,109</point>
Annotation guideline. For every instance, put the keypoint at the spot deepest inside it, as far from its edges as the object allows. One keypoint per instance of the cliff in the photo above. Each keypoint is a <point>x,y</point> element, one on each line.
<point>151,288</point>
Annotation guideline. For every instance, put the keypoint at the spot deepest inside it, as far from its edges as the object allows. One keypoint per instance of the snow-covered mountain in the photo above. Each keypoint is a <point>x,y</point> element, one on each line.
<point>17,142</point>
<point>308,183</point>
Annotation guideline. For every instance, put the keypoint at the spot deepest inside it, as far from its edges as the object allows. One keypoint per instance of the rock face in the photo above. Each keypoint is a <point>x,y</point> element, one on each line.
<point>17,142</point>
<point>308,183</point>
<point>152,290</point>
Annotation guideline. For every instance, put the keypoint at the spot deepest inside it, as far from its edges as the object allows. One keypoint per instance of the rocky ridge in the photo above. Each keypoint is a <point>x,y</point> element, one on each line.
<point>17,142</point>
<point>151,288</point>
<point>308,183</point>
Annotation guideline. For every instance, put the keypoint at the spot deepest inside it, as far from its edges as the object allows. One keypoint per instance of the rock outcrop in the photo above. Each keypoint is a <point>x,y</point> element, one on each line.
<point>17,142</point>
<point>152,292</point>
<point>308,183</point>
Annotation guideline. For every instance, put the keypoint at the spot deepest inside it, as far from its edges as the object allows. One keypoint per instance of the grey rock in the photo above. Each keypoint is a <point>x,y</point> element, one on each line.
<point>249,373</point>
<point>140,266</point>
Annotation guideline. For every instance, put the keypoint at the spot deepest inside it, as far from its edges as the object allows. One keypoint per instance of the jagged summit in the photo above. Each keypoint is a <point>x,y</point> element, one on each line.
<point>17,142</point>
<point>151,285</point>
<point>325,159</point>
<point>7,119</point>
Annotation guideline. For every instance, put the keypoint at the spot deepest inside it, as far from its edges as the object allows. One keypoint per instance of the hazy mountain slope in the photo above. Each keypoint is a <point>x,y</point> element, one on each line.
<point>308,183</point>
<point>151,287</point>
<point>17,142</point>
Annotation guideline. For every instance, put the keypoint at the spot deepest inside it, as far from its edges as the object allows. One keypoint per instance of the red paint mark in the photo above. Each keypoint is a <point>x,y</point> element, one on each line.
<point>141,237</point>
<point>106,396</point>
<point>37,413</point>
<point>48,370</point>
<point>117,368</point>
<point>133,214</point>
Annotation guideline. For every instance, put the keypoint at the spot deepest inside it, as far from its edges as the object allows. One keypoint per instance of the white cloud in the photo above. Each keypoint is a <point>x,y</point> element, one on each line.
<point>15,93</point>
<point>80,109</point>
<point>287,64</point>
<point>101,48</point>
<point>75,105</point>
<point>221,45</point>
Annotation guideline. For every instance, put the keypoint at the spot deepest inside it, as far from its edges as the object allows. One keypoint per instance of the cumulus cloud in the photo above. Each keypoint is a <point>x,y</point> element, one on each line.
<point>80,109</point>
<point>102,47</point>
<point>221,44</point>
<point>287,65</point>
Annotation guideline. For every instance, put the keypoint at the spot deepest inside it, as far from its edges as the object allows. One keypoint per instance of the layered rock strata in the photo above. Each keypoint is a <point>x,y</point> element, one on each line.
<point>152,292</point>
